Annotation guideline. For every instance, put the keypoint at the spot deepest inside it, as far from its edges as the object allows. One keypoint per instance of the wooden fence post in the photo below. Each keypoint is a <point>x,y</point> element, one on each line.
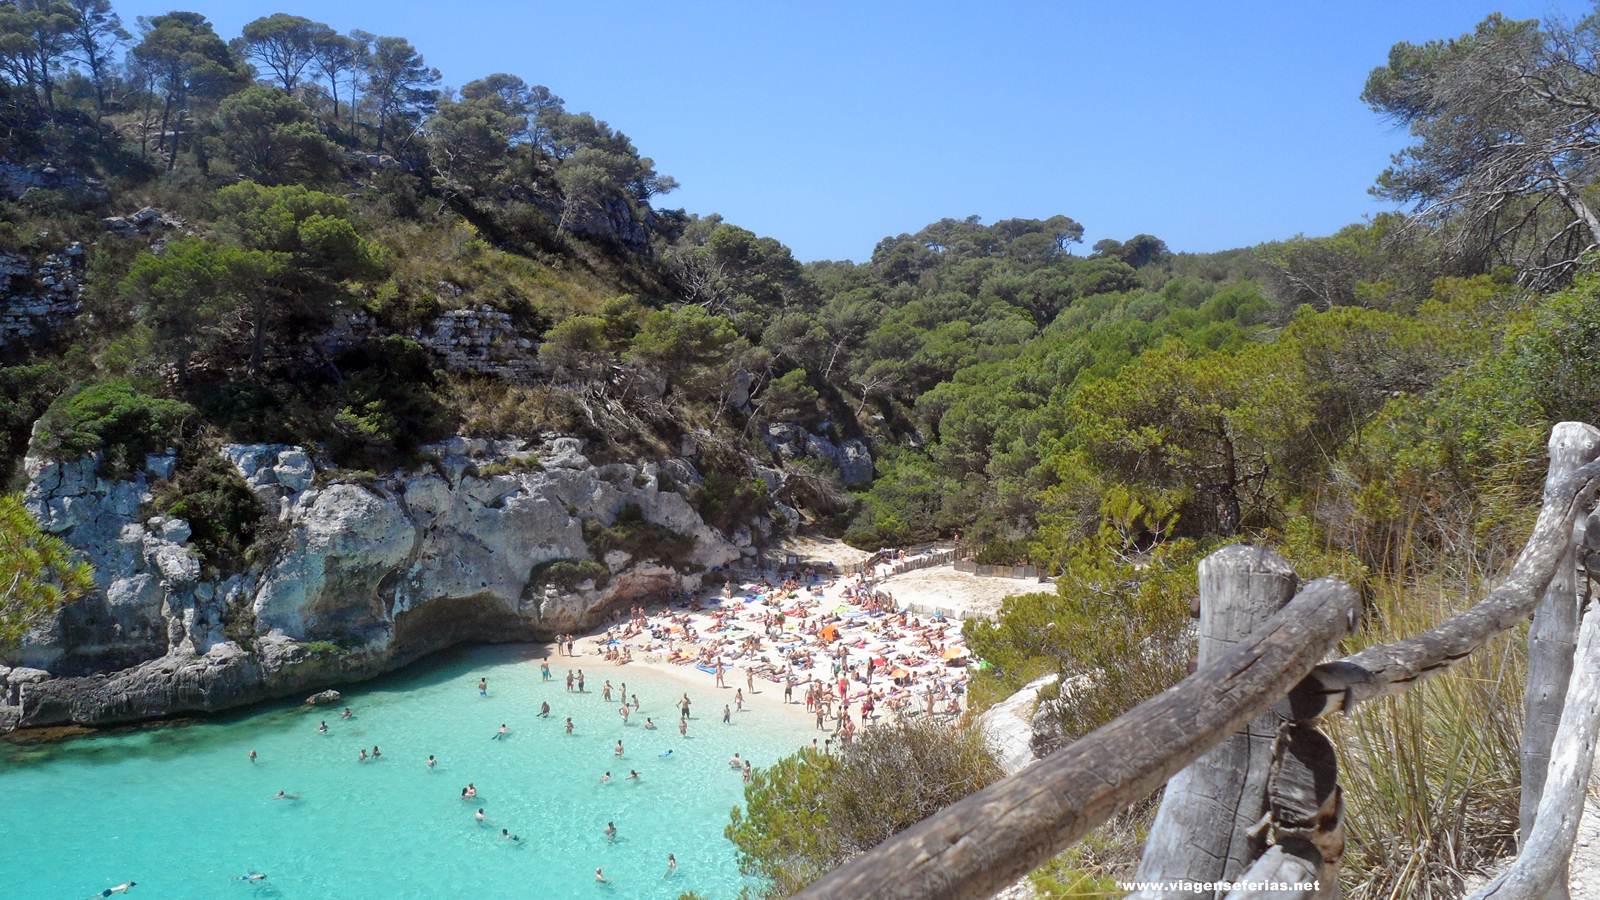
<point>1305,819</point>
<point>1203,829</point>
<point>1552,637</point>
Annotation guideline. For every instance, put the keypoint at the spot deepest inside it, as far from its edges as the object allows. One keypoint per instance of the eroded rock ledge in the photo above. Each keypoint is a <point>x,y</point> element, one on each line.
<point>364,576</point>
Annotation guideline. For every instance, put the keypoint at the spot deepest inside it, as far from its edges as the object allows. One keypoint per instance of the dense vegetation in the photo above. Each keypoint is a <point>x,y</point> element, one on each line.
<point>1374,402</point>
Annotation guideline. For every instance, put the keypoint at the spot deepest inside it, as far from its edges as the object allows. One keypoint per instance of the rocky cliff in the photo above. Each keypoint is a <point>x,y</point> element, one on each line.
<point>489,541</point>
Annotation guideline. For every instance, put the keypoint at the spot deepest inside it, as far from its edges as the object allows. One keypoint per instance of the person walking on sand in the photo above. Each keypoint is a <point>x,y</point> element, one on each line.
<point>750,680</point>
<point>738,698</point>
<point>720,682</point>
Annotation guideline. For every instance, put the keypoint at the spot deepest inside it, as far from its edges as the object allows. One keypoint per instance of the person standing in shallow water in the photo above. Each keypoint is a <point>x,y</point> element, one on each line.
<point>483,687</point>
<point>544,669</point>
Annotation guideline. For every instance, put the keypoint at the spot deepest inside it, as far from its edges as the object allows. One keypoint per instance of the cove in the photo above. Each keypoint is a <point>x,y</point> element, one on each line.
<point>181,810</point>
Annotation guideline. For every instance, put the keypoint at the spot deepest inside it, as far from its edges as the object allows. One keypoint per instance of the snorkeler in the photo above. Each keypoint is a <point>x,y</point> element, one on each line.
<point>127,886</point>
<point>251,876</point>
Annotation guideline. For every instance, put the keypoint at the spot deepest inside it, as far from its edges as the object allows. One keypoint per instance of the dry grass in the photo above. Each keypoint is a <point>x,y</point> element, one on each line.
<point>1431,777</point>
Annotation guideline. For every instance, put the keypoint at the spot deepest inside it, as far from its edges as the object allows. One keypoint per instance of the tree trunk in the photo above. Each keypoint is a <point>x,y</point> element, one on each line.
<point>1200,831</point>
<point>1574,202</point>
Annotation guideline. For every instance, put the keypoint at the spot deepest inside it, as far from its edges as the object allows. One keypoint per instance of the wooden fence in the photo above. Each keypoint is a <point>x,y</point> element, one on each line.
<point>972,567</point>
<point>876,565</point>
<point>1252,795</point>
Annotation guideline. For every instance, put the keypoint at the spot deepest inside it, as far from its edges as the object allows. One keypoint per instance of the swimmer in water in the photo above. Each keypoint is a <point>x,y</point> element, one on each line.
<point>251,876</point>
<point>470,792</point>
<point>666,754</point>
<point>127,886</point>
<point>734,762</point>
<point>508,836</point>
<point>431,761</point>
<point>501,734</point>
<point>544,709</point>
<point>599,875</point>
<point>619,748</point>
<point>347,714</point>
<point>605,778</point>
<point>252,755</point>
<point>478,815</point>
<point>285,795</point>
<point>672,864</point>
<point>633,774</point>
<point>611,831</point>
<point>376,752</point>
<point>323,728</point>
<point>363,755</point>
<point>649,725</point>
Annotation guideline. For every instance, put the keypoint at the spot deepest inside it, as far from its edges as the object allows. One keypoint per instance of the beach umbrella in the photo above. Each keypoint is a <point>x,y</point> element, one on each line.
<point>953,653</point>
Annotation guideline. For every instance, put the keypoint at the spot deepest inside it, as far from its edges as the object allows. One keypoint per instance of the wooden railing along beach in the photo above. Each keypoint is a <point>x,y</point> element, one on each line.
<point>1251,784</point>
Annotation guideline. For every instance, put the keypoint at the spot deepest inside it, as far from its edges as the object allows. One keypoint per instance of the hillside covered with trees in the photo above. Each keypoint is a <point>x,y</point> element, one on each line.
<point>299,236</point>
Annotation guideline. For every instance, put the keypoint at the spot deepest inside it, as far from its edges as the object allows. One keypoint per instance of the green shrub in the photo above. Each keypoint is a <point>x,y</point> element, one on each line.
<point>810,812</point>
<point>640,539</point>
<point>115,420</point>
<point>726,500</point>
<point>25,393</point>
<point>567,574</point>
<point>224,515</point>
<point>1000,552</point>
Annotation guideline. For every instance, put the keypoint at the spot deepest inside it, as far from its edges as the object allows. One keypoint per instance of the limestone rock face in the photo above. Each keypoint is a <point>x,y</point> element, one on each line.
<point>851,457</point>
<point>365,577</point>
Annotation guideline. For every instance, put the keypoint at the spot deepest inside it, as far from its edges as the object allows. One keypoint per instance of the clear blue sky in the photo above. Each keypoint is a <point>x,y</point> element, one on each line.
<point>830,125</point>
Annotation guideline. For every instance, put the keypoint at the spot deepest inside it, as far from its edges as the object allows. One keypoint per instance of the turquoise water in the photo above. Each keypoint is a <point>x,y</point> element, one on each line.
<point>181,809</point>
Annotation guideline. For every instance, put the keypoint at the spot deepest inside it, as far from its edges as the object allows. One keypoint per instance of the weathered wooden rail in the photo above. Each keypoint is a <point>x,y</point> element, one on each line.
<point>1252,797</point>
